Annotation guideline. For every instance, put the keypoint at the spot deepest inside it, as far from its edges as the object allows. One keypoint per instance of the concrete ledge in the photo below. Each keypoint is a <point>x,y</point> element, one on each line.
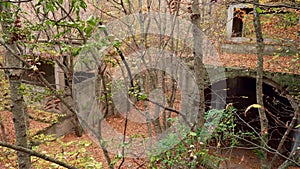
<point>248,46</point>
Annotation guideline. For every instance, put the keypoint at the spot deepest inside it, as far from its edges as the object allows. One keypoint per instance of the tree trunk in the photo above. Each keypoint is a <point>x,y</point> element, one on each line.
<point>2,129</point>
<point>19,117</point>
<point>198,64</point>
<point>259,83</point>
<point>17,103</point>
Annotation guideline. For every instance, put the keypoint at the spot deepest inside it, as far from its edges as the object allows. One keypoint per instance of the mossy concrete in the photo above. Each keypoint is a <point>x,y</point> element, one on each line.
<point>285,82</point>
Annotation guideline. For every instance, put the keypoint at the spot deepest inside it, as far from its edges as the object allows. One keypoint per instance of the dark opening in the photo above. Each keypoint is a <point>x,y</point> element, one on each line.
<point>47,70</point>
<point>241,91</point>
<point>237,24</point>
<point>238,16</point>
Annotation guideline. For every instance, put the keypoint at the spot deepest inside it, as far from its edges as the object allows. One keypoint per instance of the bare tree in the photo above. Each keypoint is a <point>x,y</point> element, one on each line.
<point>259,83</point>
<point>19,111</point>
<point>198,56</point>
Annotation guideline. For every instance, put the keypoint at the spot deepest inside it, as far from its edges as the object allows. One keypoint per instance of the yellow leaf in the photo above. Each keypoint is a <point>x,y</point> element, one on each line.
<point>257,106</point>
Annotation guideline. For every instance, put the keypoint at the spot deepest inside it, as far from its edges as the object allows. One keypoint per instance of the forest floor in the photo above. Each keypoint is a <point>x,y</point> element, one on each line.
<point>240,158</point>
<point>284,64</point>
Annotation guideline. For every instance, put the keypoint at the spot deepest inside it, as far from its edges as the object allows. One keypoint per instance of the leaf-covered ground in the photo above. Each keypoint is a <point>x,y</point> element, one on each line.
<point>82,152</point>
<point>285,64</point>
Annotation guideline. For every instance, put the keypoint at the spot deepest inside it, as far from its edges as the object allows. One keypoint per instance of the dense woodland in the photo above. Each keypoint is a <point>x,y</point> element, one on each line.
<point>150,84</point>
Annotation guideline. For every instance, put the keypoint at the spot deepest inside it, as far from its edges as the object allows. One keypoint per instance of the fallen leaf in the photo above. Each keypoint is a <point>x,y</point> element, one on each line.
<point>257,106</point>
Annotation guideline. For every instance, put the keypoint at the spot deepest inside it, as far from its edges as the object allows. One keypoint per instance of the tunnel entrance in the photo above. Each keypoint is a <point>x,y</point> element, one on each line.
<point>241,92</point>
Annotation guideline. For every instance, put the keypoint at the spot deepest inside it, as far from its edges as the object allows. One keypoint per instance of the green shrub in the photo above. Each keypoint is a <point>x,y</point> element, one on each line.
<point>193,151</point>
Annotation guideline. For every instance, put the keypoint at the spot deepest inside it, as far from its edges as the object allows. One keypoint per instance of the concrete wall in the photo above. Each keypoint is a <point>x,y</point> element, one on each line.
<point>242,45</point>
<point>288,84</point>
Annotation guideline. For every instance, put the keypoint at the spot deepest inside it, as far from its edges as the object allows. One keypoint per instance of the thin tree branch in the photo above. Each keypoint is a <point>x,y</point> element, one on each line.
<point>287,132</point>
<point>20,68</point>
<point>36,154</point>
<point>19,1</point>
<point>296,6</point>
<point>267,149</point>
<point>41,77</point>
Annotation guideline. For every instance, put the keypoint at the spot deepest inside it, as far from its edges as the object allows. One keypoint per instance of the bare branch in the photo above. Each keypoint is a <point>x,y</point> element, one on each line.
<point>285,5</point>
<point>36,154</point>
<point>17,1</point>
<point>284,137</point>
<point>20,68</point>
<point>41,77</point>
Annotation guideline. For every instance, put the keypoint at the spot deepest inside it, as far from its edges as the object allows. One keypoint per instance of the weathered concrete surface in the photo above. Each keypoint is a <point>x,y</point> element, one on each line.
<point>286,83</point>
<point>240,45</point>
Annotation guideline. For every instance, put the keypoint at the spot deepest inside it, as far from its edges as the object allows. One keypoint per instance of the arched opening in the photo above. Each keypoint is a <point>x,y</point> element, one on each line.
<point>241,92</point>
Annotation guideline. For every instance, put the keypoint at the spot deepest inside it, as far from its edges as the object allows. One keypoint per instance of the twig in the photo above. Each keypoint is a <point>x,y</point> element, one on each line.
<point>36,154</point>
<point>268,149</point>
<point>270,6</point>
<point>19,1</point>
<point>284,137</point>
<point>41,77</point>
<point>20,68</point>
